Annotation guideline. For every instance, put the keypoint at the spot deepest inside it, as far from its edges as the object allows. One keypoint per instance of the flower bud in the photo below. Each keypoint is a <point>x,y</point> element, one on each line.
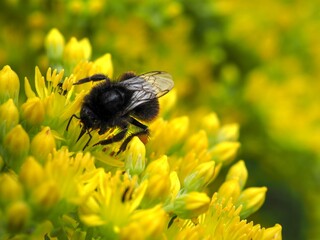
<point>9,84</point>
<point>272,233</point>
<point>42,144</point>
<point>76,51</point>
<point>191,205</point>
<point>202,175</point>
<point>103,65</point>
<point>17,141</point>
<point>46,195</point>
<point>230,189</point>
<point>135,160</point>
<point>33,111</point>
<point>224,152</point>
<point>167,102</point>
<point>54,44</point>
<point>31,173</point>
<point>251,199</point>
<point>160,165</point>
<point>17,216</point>
<point>239,173</point>
<point>9,114</point>
<point>229,132</point>
<point>159,186</point>
<point>145,224</point>
<point>10,188</point>
<point>210,123</point>
<point>198,142</point>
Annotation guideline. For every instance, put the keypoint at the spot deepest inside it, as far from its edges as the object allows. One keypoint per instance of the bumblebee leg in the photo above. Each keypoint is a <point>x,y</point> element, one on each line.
<point>116,138</point>
<point>129,138</point>
<point>144,131</point>
<point>137,123</point>
<point>73,116</point>
<point>90,136</point>
<point>93,78</point>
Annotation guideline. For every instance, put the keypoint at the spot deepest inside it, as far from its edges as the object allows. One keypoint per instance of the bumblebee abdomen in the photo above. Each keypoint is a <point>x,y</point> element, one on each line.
<point>146,111</point>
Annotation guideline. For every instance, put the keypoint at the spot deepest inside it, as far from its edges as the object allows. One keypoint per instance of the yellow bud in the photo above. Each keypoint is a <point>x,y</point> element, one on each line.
<point>46,195</point>
<point>31,173</point>
<point>9,114</point>
<point>147,223</point>
<point>251,199</point>
<point>160,165</point>
<point>210,123</point>
<point>54,44</point>
<point>228,132</point>
<point>87,49</point>
<point>191,205</point>
<point>76,51</point>
<point>239,173</point>
<point>178,128</point>
<point>9,84</point>
<point>135,160</point>
<point>273,233</point>
<point>230,189</point>
<point>200,177</point>
<point>10,188</point>
<point>17,216</point>
<point>103,65</point>
<point>159,186</point>
<point>42,144</point>
<point>198,142</point>
<point>168,101</point>
<point>224,152</point>
<point>17,141</point>
<point>33,111</point>
<point>174,184</point>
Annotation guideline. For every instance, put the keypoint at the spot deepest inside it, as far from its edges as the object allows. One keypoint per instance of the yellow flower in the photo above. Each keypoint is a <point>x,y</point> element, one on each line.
<point>200,177</point>
<point>239,173</point>
<point>42,144</point>
<point>251,199</point>
<point>135,160</point>
<point>210,123</point>
<point>145,224</point>
<point>230,190</point>
<point>46,195</point>
<point>54,44</point>
<point>33,111</point>
<point>10,188</point>
<point>76,51</point>
<point>224,152</point>
<point>191,205</point>
<point>103,65</point>
<point>9,114</point>
<point>17,141</point>
<point>9,84</point>
<point>31,173</point>
<point>17,216</point>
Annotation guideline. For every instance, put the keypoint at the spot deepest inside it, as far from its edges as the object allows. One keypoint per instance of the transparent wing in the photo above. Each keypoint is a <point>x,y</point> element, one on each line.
<point>146,87</point>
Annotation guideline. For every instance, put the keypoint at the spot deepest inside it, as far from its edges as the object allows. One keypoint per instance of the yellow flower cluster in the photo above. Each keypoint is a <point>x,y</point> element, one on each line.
<point>158,188</point>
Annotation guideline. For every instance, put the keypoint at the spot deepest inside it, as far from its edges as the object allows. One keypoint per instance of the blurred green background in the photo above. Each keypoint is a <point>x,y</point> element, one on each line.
<point>253,62</point>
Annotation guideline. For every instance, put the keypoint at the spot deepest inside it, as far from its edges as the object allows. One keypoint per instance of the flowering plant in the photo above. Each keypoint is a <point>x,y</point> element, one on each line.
<point>159,188</point>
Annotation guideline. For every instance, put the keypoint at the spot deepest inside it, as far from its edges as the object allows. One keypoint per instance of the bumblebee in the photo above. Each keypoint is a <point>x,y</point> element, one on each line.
<point>131,99</point>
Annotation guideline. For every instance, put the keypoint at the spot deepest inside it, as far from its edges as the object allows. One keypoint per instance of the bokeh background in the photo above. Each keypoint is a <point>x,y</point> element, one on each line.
<point>256,63</point>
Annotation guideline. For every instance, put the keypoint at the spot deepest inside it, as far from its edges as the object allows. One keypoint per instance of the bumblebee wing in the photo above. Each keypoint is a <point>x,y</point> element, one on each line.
<point>147,86</point>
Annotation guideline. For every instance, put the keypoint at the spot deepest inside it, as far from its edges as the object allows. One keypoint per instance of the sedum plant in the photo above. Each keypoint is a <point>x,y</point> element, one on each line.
<point>160,187</point>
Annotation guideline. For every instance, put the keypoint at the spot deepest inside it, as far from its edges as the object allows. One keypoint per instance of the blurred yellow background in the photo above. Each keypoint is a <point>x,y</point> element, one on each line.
<point>253,62</point>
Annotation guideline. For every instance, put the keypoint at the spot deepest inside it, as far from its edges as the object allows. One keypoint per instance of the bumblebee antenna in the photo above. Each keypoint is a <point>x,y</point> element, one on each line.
<point>93,78</point>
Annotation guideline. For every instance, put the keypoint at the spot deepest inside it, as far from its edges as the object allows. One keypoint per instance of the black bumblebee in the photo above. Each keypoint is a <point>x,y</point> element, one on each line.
<point>119,104</point>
